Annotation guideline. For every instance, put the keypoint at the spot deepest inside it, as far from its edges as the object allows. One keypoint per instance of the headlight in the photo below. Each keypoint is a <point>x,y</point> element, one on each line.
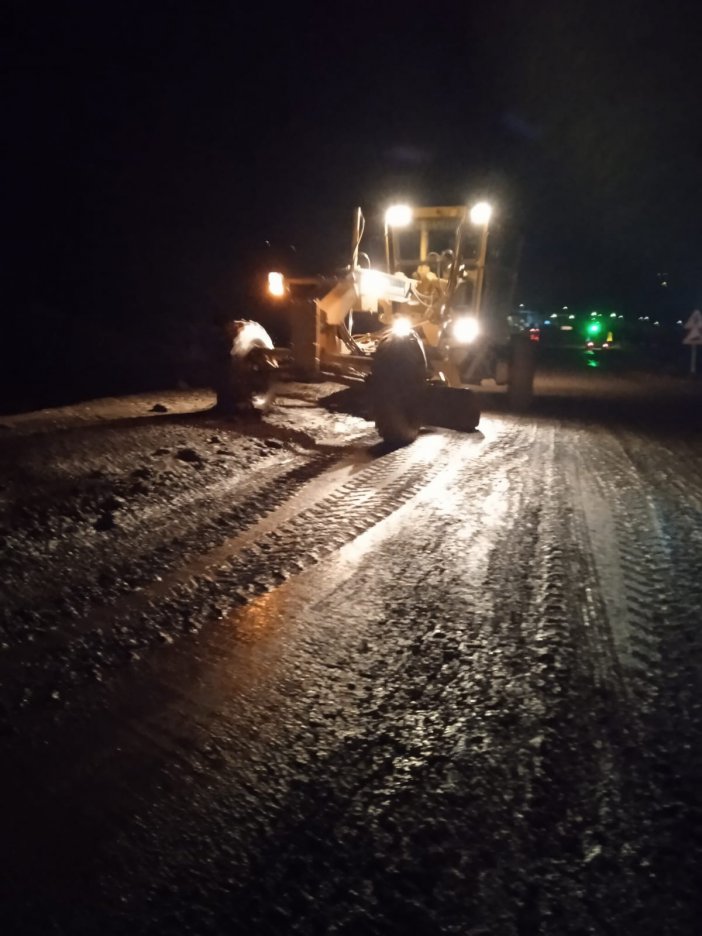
<point>401,326</point>
<point>465,329</point>
<point>398,216</point>
<point>276,284</point>
<point>480,214</point>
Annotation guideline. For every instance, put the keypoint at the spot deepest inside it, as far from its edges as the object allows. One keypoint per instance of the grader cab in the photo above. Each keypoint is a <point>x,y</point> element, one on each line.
<point>419,331</point>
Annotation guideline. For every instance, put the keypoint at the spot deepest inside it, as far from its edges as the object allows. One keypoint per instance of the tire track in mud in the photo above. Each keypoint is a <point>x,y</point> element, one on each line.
<point>544,681</point>
<point>540,728</point>
<point>407,472</point>
<point>509,774</point>
<point>51,548</point>
<point>304,532</point>
<point>576,811</point>
<point>526,756</point>
<point>66,606</point>
<point>466,689</point>
<point>158,534</point>
<point>300,531</point>
<point>547,707</point>
<point>651,596</point>
<point>373,770</point>
<point>629,550</point>
<point>656,538</point>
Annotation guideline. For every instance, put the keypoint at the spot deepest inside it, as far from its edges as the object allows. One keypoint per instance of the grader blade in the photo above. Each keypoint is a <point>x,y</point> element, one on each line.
<point>451,408</point>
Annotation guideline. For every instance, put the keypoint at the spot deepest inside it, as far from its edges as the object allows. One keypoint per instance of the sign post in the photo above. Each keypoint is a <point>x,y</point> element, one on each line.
<point>693,337</point>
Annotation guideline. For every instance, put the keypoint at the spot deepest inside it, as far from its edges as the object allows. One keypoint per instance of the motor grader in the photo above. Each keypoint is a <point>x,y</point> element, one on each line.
<point>420,331</point>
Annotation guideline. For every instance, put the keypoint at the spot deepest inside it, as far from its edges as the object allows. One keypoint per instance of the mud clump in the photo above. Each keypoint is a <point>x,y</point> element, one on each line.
<point>189,455</point>
<point>106,521</point>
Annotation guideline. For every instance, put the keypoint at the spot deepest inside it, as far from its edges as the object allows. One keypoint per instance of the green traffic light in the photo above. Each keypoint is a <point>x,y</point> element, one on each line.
<point>594,328</point>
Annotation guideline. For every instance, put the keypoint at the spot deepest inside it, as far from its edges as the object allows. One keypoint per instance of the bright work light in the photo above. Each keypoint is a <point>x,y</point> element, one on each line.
<point>398,216</point>
<point>401,326</point>
<point>465,329</point>
<point>480,213</point>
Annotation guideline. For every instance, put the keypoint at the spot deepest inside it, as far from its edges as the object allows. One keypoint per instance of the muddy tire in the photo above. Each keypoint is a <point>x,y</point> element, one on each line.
<point>247,384</point>
<point>398,387</point>
<point>522,366</point>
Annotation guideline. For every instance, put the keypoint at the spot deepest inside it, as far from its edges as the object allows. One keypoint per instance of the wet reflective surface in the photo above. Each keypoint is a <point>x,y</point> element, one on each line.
<point>448,689</point>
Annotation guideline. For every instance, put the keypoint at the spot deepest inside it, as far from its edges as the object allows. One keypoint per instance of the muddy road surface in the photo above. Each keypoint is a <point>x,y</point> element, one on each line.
<point>272,678</point>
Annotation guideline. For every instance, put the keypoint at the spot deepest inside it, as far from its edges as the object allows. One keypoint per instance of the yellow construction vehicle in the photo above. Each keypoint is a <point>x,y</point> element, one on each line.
<point>434,321</point>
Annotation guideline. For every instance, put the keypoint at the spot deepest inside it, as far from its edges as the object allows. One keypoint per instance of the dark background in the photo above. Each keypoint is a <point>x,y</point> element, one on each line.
<point>154,148</point>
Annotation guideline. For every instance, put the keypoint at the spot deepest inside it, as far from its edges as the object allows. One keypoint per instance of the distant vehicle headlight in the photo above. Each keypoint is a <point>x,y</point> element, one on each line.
<point>465,329</point>
<point>401,326</point>
<point>276,284</point>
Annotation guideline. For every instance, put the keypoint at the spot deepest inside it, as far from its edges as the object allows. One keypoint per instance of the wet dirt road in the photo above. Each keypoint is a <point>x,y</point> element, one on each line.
<point>275,679</point>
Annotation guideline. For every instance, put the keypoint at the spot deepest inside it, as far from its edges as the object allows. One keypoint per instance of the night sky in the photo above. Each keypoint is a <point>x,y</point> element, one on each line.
<point>153,145</point>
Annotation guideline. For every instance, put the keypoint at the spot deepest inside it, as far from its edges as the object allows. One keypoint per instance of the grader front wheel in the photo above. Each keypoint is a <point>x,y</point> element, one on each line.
<point>398,388</point>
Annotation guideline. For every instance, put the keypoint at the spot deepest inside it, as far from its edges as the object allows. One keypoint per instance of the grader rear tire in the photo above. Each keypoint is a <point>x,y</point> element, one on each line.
<point>246,384</point>
<point>398,387</point>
